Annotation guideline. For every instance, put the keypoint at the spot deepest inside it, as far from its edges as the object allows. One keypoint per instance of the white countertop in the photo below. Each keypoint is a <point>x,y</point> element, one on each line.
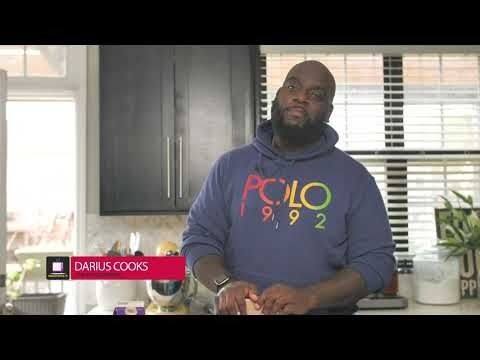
<point>99,311</point>
<point>465,307</point>
<point>195,309</point>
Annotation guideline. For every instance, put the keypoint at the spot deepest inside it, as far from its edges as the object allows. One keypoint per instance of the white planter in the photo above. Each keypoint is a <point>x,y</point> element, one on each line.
<point>111,292</point>
<point>436,281</point>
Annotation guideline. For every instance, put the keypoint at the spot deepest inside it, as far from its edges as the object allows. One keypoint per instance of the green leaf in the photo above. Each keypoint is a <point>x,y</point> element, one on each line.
<point>446,220</point>
<point>470,200</point>
<point>458,235</point>
<point>450,234</point>
<point>465,220</point>
<point>476,241</point>
<point>464,198</point>
<point>465,234</point>
<point>457,215</point>
<point>473,219</point>
<point>14,276</point>
<point>447,202</point>
<point>476,231</point>
<point>453,252</point>
<point>456,253</point>
<point>448,244</point>
<point>460,217</point>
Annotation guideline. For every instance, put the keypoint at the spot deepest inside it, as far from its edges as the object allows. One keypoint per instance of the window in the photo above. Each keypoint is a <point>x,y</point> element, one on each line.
<point>40,174</point>
<point>44,116</point>
<point>34,60</point>
<point>40,186</point>
<point>411,118</point>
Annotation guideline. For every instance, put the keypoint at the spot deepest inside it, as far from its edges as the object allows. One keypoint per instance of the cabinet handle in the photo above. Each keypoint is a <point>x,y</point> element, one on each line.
<point>180,140</point>
<point>168,167</point>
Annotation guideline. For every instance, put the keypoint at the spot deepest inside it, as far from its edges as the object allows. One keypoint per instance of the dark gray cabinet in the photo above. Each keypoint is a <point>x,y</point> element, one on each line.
<point>166,114</point>
<point>136,129</point>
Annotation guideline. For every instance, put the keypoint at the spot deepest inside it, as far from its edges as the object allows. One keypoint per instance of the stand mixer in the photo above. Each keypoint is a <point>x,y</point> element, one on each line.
<point>170,297</point>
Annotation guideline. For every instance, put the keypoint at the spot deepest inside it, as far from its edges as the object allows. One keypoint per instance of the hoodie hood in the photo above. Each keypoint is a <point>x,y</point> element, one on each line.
<point>263,143</point>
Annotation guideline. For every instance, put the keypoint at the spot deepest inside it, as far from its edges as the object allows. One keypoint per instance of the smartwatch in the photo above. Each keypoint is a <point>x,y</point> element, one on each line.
<point>221,281</point>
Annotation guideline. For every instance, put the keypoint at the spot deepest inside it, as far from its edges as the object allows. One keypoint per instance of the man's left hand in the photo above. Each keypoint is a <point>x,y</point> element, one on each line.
<point>284,300</point>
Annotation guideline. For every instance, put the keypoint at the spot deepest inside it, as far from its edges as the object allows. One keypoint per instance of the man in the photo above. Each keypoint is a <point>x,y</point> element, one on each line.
<point>290,221</point>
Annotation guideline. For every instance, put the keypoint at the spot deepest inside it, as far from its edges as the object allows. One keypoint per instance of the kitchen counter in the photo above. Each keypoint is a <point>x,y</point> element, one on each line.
<point>194,309</point>
<point>465,307</point>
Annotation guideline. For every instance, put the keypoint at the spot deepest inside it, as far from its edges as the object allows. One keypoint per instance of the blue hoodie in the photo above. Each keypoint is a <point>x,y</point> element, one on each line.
<point>294,218</point>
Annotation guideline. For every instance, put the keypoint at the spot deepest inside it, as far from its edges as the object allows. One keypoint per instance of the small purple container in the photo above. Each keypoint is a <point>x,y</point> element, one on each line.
<point>130,308</point>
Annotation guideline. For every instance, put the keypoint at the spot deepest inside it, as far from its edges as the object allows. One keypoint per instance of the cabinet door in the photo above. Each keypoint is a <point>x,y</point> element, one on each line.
<point>136,129</point>
<point>214,107</point>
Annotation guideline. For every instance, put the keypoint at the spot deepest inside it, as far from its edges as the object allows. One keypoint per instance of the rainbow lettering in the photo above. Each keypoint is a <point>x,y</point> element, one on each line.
<point>298,203</point>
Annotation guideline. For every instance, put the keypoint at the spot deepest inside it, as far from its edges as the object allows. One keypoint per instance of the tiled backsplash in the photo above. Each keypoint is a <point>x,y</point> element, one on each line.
<point>103,231</point>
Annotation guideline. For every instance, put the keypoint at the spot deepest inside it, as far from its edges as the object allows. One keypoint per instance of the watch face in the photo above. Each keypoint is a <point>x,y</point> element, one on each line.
<point>222,280</point>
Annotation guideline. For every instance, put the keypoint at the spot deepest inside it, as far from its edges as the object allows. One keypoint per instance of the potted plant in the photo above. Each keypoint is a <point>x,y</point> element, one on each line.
<point>21,303</point>
<point>16,278</point>
<point>461,238</point>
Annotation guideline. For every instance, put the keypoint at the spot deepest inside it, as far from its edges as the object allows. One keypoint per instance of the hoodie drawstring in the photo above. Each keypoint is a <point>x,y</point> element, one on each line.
<point>263,144</point>
<point>276,211</point>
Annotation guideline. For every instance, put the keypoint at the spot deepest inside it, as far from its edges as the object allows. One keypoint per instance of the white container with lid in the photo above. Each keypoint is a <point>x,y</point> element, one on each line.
<point>436,279</point>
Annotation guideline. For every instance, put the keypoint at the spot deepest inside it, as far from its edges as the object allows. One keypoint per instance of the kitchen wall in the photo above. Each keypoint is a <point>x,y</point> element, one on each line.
<point>104,230</point>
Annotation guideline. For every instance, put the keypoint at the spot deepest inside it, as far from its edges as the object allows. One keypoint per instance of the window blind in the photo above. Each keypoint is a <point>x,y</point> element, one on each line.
<point>358,113</point>
<point>411,119</point>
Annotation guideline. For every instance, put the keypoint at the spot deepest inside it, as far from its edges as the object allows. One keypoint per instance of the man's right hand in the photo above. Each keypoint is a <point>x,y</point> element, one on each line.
<point>231,298</point>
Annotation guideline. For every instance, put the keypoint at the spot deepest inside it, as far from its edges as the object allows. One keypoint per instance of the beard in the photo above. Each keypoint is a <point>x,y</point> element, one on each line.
<point>310,132</point>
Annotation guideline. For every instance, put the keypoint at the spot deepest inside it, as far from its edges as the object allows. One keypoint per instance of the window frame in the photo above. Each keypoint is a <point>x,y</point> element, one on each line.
<point>72,86</point>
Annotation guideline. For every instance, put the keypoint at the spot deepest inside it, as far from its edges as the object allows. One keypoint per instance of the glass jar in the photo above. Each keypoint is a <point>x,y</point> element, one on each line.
<point>405,276</point>
<point>436,279</point>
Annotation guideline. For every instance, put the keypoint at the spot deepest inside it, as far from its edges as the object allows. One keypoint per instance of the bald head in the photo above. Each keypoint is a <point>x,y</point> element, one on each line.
<point>316,71</point>
<point>303,104</point>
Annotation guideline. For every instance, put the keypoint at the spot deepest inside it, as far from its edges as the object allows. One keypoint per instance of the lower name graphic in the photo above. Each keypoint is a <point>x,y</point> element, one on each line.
<point>127,267</point>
